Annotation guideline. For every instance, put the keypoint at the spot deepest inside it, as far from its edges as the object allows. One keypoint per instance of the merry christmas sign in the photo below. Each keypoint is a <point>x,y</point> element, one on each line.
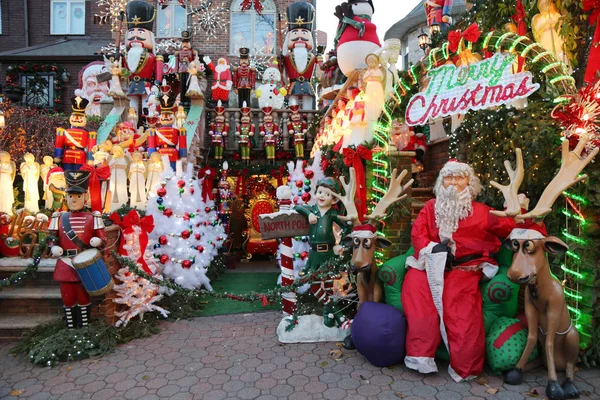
<point>456,90</point>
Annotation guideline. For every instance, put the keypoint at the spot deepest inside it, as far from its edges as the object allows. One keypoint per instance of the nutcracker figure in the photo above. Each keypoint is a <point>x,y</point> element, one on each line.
<point>438,13</point>
<point>270,131</point>
<point>244,78</point>
<point>297,129</point>
<point>168,140</point>
<point>224,198</point>
<point>184,57</point>
<point>74,145</point>
<point>77,230</point>
<point>222,82</point>
<point>144,66</point>
<point>244,132</point>
<point>298,61</point>
<point>219,129</point>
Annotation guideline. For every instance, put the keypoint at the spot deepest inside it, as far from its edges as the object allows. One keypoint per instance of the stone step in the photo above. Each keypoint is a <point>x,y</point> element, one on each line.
<point>30,300</point>
<point>9,266</point>
<point>13,327</point>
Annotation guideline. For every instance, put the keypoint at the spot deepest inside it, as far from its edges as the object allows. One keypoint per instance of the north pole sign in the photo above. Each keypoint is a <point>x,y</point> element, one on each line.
<point>456,90</point>
<point>283,224</point>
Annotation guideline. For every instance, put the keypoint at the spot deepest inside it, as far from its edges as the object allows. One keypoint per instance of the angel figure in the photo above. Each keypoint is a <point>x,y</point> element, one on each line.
<point>137,184</point>
<point>30,172</point>
<point>155,170</point>
<point>8,171</point>
<point>118,178</point>
<point>195,71</point>
<point>373,85</point>
<point>45,169</point>
<point>114,66</point>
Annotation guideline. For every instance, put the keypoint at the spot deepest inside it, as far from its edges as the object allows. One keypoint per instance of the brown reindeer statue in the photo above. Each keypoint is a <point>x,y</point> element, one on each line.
<point>548,318</point>
<point>364,240</point>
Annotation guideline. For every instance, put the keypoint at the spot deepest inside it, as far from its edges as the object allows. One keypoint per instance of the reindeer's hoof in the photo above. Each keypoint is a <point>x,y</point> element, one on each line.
<point>348,343</point>
<point>554,391</point>
<point>570,390</point>
<point>513,376</point>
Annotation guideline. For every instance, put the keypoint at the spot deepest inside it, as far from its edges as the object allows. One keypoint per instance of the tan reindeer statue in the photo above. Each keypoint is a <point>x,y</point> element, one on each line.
<point>548,318</point>
<point>364,240</point>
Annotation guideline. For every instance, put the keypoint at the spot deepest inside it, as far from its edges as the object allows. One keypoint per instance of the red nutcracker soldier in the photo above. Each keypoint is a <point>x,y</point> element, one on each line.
<point>222,82</point>
<point>184,57</point>
<point>145,67</point>
<point>74,145</point>
<point>297,129</point>
<point>438,13</point>
<point>244,78</point>
<point>76,230</point>
<point>270,131</point>
<point>168,140</point>
<point>298,61</point>
<point>219,129</point>
<point>244,132</point>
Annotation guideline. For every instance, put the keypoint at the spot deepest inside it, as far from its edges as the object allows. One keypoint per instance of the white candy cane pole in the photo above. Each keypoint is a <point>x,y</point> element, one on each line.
<point>288,299</point>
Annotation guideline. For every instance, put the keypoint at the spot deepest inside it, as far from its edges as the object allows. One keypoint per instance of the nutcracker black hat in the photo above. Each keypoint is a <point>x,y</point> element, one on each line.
<point>77,181</point>
<point>79,104</point>
<point>167,102</point>
<point>300,15</point>
<point>244,52</point>
<point>186,36</point>
<point>140,14</point>
<point>363,1</point>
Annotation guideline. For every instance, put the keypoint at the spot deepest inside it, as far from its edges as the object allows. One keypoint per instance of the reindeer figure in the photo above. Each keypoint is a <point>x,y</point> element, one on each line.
<point>547,315</point>
<point>364,240</point>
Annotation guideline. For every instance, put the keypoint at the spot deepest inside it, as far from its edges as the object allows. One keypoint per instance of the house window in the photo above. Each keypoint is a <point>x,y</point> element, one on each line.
<point>253,30</point>
<point>171,20</point>
<point>67,17</point>
<point>39,90</point>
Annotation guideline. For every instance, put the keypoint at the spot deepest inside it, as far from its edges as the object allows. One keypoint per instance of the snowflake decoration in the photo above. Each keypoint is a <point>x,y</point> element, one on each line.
<point>111,9</point>
<point>210,19</point>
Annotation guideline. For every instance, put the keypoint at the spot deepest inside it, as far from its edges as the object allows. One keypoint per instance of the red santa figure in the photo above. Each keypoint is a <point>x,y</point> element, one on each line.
<point>222,82</point>
<point>454,238</point>
<point>270,131</point>
<point>145,67</point>
<point>74,145</point>
<point>76,230</point>
<point>356,35</point>
<point>219,129</point>
<point>297,129</point>
<point>168,140</point>
<point>298,61</point>
<point>438,13</point>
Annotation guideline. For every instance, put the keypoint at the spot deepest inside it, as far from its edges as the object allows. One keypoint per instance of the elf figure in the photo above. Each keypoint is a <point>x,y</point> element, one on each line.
<point>244,132</point>
<point>168,140</point>
<point>270,131</point>
<point>56,186</point>
<point>219,129</point>
<point>74,145</point>
<point>297,129</point>
<point>77,230</point>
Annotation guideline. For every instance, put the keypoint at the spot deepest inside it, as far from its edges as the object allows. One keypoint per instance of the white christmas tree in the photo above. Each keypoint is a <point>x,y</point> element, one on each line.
<point>187,234</point>
<point>137,294</point>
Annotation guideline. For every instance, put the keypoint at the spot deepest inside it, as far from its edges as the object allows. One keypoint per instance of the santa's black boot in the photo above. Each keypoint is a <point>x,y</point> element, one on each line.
<point>69,317</point>
<point>84,315</point>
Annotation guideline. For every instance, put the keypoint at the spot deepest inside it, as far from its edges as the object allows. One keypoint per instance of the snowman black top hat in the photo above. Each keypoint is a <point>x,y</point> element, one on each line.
<point>363,1</point>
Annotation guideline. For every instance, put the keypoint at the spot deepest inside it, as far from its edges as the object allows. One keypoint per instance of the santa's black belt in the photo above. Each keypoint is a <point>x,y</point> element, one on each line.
<point>321,248</point>
<point>460,261</point>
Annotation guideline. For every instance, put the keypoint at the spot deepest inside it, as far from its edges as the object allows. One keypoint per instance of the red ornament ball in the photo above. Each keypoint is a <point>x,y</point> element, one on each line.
<point>197,236</point>
<point>187,264</point>
<point>200,249</point>
<point>161,192</point>
<point>299,183</point>
<point>164,259</point>
<point>185,234</point>
<point>168,213</point>
<point>304,255</point>
<point>180,183</point>
<point>309,174</point>
<point>306,197</point>
<point>207,209</point>
<point>163,240</point>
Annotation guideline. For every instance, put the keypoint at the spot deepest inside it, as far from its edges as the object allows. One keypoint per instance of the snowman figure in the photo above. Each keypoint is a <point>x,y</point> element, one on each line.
<point>271,93</point>
<point>357,35</point>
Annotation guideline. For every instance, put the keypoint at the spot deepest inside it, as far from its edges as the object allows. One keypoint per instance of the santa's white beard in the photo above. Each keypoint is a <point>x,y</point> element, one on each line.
<point>450,208</point>
<point>133,56</point>
<point>300,57</point>
<point>93,109</point>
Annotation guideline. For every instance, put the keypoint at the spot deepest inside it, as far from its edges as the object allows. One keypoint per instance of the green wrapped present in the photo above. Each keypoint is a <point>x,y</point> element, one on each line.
<point>392,274</point>
<point>505,343</point>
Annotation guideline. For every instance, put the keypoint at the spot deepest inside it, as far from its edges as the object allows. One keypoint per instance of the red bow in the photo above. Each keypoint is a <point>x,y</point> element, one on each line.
<point>593,64</point>
<point>354,159</point>
<point>247,4</point>
<point>209,174</point>
<point>129,222</point>
<point>96,175</point>
<point>471,35</point>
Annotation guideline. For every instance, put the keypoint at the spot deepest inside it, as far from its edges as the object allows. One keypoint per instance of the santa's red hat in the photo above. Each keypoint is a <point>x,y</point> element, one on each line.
<point>54,170</point>
<point>366,231</point>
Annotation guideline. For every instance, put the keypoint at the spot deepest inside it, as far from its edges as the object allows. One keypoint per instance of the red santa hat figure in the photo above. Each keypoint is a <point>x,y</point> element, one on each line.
<point>358,39</point>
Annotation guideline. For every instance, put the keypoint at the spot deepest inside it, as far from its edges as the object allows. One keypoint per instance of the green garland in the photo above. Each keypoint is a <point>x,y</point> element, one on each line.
<point>29,271</point>
<point>14,71</point>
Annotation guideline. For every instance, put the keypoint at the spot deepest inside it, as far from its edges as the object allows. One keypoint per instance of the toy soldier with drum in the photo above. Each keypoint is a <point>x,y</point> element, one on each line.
<point>80,269</point>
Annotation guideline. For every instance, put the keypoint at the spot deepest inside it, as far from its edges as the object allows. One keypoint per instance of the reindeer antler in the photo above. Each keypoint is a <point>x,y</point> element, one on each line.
<point>572,165</point>
<point>511,191</point>
<point>348,198</point>
<point>394,193</point>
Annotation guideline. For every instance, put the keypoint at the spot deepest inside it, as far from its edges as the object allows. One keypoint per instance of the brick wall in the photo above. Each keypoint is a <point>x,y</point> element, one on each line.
<point>436,157</point>
<point>12,36</point>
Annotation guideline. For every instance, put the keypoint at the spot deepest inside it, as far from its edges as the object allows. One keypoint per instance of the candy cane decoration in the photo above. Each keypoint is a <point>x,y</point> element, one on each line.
<point>288,299</point>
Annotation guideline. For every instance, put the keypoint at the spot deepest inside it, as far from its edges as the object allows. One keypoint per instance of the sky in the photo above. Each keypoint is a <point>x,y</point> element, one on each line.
<point>387,13</point>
